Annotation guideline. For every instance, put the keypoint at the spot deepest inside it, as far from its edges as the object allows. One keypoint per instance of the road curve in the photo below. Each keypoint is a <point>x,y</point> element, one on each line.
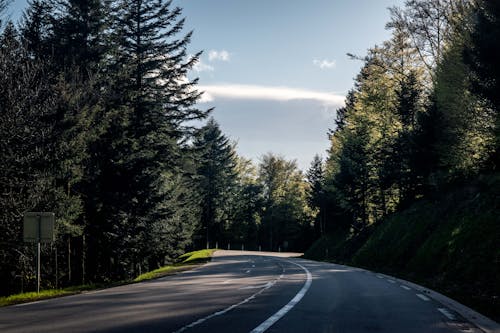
<point>246,292</point>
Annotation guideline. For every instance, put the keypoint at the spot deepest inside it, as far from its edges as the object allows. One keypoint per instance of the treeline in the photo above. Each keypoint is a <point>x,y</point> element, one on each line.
<point>96,114</point>
<point>423,115</point>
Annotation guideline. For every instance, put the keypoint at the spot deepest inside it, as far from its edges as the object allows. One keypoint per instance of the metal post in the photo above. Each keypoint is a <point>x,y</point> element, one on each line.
<point>38,254</point>
<point>84,257</point>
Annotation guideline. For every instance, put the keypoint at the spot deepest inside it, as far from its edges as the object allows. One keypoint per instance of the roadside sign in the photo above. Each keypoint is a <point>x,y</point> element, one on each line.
<point>38,227</point>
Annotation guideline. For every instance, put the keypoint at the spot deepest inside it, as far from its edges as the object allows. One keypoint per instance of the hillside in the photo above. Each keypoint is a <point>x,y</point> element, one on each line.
<point>449,243</point>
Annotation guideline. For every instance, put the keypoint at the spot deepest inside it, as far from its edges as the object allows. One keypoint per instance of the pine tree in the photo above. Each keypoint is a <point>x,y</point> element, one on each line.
<point>26,179</point>
<point>217,181</point>
<point>141,154</point>
<point>316,193</point>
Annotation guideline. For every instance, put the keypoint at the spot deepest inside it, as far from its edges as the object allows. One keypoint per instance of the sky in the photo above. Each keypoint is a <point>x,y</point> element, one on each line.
<point>276,70</point>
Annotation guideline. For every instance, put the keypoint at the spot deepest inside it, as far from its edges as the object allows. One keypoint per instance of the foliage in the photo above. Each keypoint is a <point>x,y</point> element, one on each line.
<point>286,217</point>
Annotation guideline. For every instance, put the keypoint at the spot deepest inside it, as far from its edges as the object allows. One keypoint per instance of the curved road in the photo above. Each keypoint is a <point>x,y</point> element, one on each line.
<point>245,292</point>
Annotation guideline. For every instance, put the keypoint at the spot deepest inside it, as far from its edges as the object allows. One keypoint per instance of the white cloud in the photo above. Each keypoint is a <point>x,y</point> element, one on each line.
<point>240,91</point>
<point>200,66</point>
<point>222,55</point>
<point>324,63</point>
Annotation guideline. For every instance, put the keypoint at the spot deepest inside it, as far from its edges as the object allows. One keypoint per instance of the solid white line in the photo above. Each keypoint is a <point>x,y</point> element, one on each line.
<point>283,311</point>
<point>218,313</point>
<point>405,287</point>
<point>423,297</point>
<point>446,313</point>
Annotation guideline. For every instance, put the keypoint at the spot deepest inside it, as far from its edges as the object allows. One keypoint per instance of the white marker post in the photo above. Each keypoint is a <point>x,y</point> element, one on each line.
<point>38,227</point>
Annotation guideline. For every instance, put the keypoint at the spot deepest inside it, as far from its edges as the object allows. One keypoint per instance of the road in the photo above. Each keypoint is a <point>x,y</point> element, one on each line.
<point>245,292</point>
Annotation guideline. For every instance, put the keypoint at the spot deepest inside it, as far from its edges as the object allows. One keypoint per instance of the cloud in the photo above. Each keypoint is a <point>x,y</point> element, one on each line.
<point>324,63</point>
<point>200,66</point>
<point>240,91</point>
<point>222,55</point>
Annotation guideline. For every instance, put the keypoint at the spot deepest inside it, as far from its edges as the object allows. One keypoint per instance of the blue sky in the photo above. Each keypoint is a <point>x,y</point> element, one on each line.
<point>276,70</point>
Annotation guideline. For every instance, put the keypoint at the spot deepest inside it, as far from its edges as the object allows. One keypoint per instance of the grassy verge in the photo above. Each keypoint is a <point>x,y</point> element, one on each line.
<point>44,294</point>
<point>186,261</point>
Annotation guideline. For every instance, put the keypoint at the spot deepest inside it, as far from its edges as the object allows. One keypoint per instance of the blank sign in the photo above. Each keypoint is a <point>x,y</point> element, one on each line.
<point>38,226</point>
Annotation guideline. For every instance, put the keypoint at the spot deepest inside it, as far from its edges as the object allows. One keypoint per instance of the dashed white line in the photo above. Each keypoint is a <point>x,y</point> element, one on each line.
<point>229,308</point>
<point>446,313</point>
<point>405,287</point>
<point>248,271</point>
<point>267,285</point>
<point>423,297</point>
<point>283,311</point>
<point>380,276</point>
<point>391,281</point>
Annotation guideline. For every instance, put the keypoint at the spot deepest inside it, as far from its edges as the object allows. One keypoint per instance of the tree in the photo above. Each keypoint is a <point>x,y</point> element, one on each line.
<point>142,153</point>
<point>26,104</point>
<point>482,56</point>
<point>217,181</point>
<point>429,25</point>
<point>287,218</point>
<point>316,193</point>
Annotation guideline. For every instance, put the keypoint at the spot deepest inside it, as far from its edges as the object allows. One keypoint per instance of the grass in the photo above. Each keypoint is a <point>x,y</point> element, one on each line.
<point>44,294</point>
<point>185,261</point>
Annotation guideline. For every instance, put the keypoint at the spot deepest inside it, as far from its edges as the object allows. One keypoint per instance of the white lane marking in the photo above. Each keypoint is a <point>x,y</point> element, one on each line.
<point>229,308</point>
<point>405,287</point>
<point>253,265</point>
<point>380,276</point>
<point>283,311</point>
<point>248,271</point>
<point>423,297</point>
<point>391,281</point>
<point>267,285</point>
<point>447,313</point>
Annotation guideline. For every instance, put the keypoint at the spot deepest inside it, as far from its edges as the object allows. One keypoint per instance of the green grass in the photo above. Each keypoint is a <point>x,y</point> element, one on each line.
<point>185,261</point>
<point>197,256</point>
<point>44,294</point>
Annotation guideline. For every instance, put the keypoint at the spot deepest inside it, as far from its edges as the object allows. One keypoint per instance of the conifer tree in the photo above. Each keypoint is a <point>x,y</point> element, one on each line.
<point>140,155</point>
<point>217,181</point>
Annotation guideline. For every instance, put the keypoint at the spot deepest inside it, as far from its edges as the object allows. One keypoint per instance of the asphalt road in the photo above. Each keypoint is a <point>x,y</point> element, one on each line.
<point>245,292</point>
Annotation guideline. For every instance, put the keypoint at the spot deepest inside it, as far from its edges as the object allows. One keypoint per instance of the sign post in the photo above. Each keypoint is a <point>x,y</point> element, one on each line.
<point>38,227</point>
